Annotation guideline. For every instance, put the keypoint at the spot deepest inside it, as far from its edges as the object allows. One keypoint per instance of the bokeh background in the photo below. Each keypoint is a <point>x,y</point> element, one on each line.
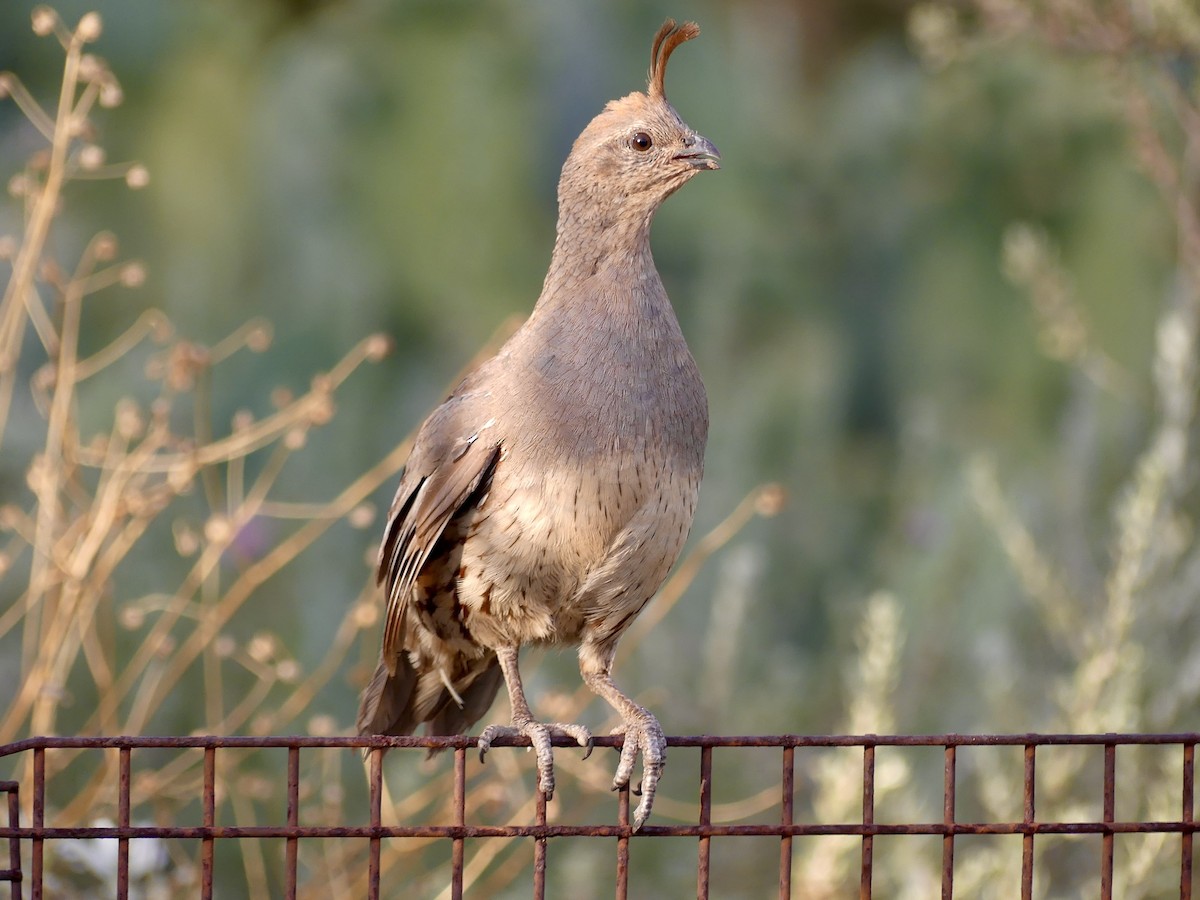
<point>939,292</point>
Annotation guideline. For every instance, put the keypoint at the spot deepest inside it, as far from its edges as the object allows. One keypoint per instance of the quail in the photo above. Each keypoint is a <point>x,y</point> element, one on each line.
<point>545,501</point>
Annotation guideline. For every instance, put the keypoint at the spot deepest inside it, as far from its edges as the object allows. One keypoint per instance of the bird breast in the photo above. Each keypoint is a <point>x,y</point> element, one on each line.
<point>600,458</point>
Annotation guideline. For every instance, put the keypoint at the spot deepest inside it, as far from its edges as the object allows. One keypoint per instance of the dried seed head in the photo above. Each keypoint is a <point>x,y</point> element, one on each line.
<point>181,478</point>
<point>242,419</point>
<point>187,542</point>
<point>321,410</point>
<point>137,176</point>
<point>184,361</point>
<point>160,326</point>
<point>224,646</point>
<point>6,81</point>
<point>378,346</point>
<point>366,614</point>
<point>20,185</point>
<point>258,338</point>
<point>104,246</point>
<point>262,647</point>
<point>288,671</point>
<point>132,617</point>
<point>38,473</point>
<point>218,529</point>
<point>770,501</point>
<point>133,274</point>
<point>296,438</point>
<point>44,20</point>
<point>45,377</point>
<point>281,397</point>
<point>129,419</point>
<point>90,27</point>
<point>110,93</point>
<point>91,157</point>
<point>361,516</point>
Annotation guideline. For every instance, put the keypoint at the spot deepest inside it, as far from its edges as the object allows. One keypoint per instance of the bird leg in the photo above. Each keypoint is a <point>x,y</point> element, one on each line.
<point>539,733</point>
<point>640,728</point>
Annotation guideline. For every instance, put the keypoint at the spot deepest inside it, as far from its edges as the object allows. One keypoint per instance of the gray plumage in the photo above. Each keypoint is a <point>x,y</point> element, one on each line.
<point>547,498</point>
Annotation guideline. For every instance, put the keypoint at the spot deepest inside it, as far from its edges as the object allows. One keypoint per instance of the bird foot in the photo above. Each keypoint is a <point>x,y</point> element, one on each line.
<point>642,732</point>
<point>540,734</point>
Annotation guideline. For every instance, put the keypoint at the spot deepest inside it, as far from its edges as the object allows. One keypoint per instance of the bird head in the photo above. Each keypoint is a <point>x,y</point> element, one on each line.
<point>637,151</point>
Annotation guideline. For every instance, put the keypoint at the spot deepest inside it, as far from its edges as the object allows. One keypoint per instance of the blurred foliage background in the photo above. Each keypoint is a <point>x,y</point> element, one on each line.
<point>942,291</point>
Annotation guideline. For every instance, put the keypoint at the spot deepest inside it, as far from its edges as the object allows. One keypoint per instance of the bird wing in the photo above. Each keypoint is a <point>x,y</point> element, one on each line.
<point>440,479</point>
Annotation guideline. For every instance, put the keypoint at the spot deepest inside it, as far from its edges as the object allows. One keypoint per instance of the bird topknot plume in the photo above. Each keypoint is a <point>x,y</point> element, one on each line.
<point>547,498</point>
<point>668,38</point>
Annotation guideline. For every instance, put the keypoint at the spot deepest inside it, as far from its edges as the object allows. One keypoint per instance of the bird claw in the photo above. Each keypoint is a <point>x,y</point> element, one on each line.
<point>540,735</point>
<point>645,734</point>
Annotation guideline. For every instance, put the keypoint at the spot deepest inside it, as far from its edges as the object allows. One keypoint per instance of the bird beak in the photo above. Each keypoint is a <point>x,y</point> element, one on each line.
<point>699,153</point>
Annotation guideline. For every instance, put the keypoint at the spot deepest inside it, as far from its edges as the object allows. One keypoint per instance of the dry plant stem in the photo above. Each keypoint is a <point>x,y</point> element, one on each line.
<point>258,435</point>
<point>77,553</point>
<point>1043,584</point>
<point>252,856</point>
<point>145,325</point>
<point>306,690</point>
<point>1104,688</point>
<point>482,858</point>
<point>151,693</point>
<point>57,607</point>
<point>31,109</point>
<point>250,580</point>
<point>16,295</point>
<point>41,321</point>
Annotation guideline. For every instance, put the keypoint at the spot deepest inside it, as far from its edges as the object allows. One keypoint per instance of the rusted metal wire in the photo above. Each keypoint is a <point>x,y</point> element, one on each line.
<point>33,837</point>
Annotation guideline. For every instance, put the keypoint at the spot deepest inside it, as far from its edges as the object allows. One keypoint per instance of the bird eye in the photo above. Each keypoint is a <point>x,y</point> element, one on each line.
<point>641,142</point>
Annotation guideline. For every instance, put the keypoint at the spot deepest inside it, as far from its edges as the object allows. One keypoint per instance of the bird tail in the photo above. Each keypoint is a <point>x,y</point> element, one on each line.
<point>386,705</point>
<point>398,702</point>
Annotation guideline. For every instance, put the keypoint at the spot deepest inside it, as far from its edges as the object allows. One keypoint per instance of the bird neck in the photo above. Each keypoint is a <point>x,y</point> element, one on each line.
<point>598,240</point>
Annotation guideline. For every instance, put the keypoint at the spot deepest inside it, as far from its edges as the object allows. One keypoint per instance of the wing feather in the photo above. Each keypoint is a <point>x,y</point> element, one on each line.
<point>425,503</point>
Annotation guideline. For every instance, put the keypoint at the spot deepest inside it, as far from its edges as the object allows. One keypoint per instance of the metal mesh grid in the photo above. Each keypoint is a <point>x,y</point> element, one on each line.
<point>32,838</point>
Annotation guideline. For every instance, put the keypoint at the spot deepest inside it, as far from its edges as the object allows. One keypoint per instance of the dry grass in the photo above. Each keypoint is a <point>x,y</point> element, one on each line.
<point>1110,680</point>
<point>100,501</point>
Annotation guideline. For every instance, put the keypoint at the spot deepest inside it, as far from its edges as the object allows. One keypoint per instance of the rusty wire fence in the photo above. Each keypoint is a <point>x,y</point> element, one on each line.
<point>1094,818</point>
